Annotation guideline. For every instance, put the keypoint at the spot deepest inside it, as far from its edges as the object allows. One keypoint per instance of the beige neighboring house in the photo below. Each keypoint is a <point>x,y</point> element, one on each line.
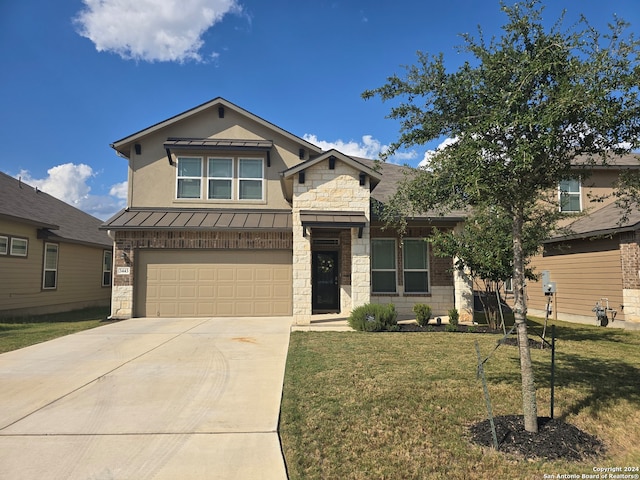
<point>53,257</point>
<point>599,260</point>
<point>230,215</point>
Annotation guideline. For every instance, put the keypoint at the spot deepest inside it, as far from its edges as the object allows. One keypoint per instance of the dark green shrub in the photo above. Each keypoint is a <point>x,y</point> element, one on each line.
<point>423,313</point>
<point>374,317</point>
<point>454,316</point>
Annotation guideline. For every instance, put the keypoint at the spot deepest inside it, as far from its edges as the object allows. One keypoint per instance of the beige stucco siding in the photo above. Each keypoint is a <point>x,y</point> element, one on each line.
<point>79,282</point>
<point>152,180</point>
<point>584,273</point>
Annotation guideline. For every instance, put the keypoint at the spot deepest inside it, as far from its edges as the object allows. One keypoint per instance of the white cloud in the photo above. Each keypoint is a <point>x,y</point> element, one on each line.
<point>68,182</point>
<point>119,190</point>
<point>428,155</point>
<point>368,147</point>
<point>152,30</point>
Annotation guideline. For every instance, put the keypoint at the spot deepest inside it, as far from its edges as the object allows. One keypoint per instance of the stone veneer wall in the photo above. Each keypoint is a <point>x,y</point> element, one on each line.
<point>330,190</point>
<point>130,242</point>
<point>630,260</point>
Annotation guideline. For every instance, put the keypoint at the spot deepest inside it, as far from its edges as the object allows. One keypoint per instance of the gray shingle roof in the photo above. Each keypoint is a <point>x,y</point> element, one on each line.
<point>24,203</point>
<point>603,221</point>
<point>392,176</point>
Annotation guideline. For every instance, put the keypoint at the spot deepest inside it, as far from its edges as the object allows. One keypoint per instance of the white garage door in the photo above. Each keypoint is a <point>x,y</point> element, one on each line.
<point>211,283</point>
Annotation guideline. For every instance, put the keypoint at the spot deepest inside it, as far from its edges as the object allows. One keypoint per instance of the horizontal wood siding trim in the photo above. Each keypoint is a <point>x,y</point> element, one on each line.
<point>581,280</point>
<point>79,276</point>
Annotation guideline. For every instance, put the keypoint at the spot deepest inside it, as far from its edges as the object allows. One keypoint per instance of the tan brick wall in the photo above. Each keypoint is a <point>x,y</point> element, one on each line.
<point>630,259</point>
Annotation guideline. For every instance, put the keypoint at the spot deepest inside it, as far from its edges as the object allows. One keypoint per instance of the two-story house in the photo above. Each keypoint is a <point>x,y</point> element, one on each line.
<point>53,257</point>
<point>599,259</point>
<point>230,215</point>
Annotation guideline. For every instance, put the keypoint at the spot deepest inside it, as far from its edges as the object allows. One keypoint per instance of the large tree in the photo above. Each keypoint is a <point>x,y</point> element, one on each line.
<point>522,109</point>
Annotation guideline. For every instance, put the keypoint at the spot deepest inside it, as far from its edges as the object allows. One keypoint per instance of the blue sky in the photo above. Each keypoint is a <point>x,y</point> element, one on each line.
<point>81,74</point>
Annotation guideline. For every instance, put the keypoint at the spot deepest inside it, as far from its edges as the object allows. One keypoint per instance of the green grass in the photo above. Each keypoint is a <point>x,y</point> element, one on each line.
<point>21,332</point>
<point>398,405</point>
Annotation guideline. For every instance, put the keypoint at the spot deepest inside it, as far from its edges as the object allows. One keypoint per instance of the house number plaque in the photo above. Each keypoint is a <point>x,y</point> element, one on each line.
<point>123,270</point>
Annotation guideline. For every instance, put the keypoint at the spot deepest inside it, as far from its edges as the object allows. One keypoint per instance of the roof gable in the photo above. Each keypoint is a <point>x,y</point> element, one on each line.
<point>288,175</point>
<point>123,145</point>
<point>23,203</point>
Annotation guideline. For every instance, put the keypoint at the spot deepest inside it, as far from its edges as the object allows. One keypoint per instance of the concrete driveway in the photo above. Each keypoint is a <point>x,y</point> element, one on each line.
<point>147,398</point>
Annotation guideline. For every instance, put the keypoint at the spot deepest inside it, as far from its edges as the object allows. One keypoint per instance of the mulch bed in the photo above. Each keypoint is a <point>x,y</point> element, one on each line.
<point>555,439</point>
<point>534,340</point>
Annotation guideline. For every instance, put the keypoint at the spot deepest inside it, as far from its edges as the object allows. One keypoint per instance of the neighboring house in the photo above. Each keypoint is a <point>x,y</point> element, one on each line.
<point>53,257</point>
<point>230,215</point>
<point>598,259</point>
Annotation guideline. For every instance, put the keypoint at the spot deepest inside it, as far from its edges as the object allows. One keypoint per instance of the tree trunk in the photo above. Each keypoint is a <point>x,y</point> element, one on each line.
<point>529,404</point>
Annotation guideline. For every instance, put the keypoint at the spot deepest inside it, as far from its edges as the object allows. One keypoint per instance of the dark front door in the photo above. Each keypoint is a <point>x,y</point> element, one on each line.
<point>325,288</point>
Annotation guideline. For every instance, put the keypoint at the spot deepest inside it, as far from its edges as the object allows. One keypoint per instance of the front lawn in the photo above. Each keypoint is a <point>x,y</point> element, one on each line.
<point>398,405</point>
<point>21,332</point>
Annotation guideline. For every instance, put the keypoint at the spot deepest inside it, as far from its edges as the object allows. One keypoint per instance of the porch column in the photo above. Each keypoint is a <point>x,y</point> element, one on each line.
<point>463,291</point>
<point>360,267</point>
<point>301,272</point>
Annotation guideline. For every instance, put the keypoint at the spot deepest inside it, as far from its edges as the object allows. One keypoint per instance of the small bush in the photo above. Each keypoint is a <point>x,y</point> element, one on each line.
<point>423,313</point>
<point>374,317</point>
<point>450,327</point>
<point>454,316</point>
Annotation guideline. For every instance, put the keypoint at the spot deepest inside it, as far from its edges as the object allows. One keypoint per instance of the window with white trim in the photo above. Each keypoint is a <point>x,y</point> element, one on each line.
<point>189,177</point>
<point>415,255</point>
<point>107,262</point>
<point>224,178</point>
<point>569,192</point>
<point>4,245</point>
<point>383,265</point>
<point>508,285</point>
<point>19,247</point>
<point>220,178</point>
<point>50,267</point>
<point>250,175</point>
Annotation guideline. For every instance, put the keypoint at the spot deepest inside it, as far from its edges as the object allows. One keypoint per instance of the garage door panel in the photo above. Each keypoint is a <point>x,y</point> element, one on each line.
<point>167,292</point>
<point>173,283</point>
<point>188,274</point>
<point>187,292</point>
<point>206,274</point>
<point>245,292</point>
<point>225,274</point>
<point>205,291</point>
<point>167,275</point>
<point>262,292</point>
<point>245,275</point>
<point>281,274</point>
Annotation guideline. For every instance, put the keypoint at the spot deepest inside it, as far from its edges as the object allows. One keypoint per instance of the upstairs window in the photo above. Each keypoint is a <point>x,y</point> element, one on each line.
<point>4,245</point>
<point>223,179</point>
<point>189,177</point>
<point>250,179</point>
<point>50,275</point>
<point>19,247</point>
<point>383,266</point>
<point>416,266</point>
<point>220,178</point>
<point>569,191</point>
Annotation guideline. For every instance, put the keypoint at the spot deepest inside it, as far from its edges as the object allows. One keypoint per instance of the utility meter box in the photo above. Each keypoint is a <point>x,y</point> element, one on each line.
<point>548,287</point>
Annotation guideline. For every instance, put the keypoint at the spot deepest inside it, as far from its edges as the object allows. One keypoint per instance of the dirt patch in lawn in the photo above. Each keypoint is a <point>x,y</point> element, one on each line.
<point>555,439</point>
